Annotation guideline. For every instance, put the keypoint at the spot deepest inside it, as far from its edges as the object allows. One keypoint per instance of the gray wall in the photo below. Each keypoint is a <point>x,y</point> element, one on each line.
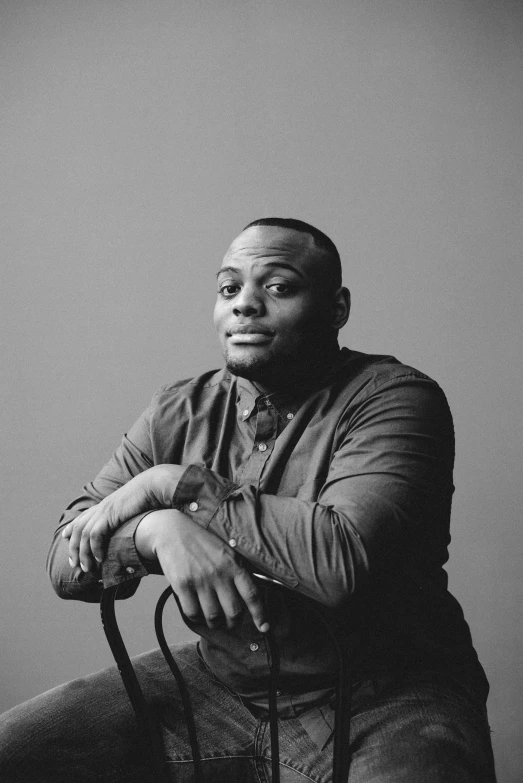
<point>138,138</point>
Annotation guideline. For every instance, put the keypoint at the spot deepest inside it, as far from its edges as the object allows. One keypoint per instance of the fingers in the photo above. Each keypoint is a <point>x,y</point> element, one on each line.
<point>94,537</point>
<point>206,574</point>
<point>91,543</point>
<point>223,606</point>
<point>189,603</point>
<point>205,606</point>
<point>232,607</point>
<point>73,532</point>
<point>211,609</point>
<point>252,599</point>
<point>87,536</point>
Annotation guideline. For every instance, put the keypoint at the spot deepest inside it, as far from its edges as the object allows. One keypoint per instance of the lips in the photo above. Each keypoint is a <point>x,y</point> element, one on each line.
<point>249,329</point>
<point>250,334</point>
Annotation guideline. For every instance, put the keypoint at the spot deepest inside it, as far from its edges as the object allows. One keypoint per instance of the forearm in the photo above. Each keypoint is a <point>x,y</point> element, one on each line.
<point>323,551</point>
<point>208,577</point>
<point>384,500</point>
<point>72,567</point>
<point>90,531</point>
<point>121,566</point>
<point>129,460</point>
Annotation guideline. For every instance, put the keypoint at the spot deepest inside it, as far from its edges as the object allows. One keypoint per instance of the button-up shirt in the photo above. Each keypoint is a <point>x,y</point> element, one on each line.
<point>338,486</point>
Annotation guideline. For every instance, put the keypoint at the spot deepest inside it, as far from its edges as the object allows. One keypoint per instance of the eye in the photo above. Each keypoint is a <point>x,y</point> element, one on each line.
<point>228,289</point>
<point>279,288</point>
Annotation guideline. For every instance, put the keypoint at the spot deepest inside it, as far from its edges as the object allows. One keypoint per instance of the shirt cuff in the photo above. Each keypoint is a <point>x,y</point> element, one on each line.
<point>200,493</point>
<point>122,562</point>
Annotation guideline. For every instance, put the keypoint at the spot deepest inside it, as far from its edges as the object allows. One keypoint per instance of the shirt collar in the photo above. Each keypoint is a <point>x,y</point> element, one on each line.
<point>288,399</point>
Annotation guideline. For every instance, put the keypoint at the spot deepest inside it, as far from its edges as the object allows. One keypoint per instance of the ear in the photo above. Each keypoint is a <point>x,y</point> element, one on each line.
<point>340,308</point>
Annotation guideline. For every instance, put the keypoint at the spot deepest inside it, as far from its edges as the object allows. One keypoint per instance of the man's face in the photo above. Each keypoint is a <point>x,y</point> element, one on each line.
<point>271,313</point>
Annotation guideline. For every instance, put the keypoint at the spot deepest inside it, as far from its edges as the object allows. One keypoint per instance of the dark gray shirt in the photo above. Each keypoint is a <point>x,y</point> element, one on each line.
<point>338,486</point>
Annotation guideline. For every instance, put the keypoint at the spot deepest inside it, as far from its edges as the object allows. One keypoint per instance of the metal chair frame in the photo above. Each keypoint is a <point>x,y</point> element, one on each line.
<point>148,723</point>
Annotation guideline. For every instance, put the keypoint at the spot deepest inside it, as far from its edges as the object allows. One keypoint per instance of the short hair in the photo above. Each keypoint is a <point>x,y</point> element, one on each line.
<point>321,241</point>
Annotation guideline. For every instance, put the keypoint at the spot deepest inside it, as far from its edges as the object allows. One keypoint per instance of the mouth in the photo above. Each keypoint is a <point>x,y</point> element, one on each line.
<point>249,334</point>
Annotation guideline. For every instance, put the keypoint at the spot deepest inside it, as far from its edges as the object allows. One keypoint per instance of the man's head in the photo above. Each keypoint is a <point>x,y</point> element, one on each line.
<point>280,301</point>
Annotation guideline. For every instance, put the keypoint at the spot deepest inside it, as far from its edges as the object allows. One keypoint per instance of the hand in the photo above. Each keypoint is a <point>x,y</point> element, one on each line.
<point>206,574</point>
<point>89,532</point>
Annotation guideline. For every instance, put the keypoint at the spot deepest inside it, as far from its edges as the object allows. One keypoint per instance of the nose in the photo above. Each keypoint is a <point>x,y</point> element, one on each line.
<point>248,302</point>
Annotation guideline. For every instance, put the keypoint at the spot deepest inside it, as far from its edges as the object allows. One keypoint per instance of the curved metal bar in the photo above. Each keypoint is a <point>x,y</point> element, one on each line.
<point>184,693</point>
<point>274,669</point>
<point>147,723</point>
<point>342,720</point>
<point>149,726</point>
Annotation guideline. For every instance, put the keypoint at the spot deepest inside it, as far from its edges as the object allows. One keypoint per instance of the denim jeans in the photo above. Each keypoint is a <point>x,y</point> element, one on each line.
<point>417,729</point>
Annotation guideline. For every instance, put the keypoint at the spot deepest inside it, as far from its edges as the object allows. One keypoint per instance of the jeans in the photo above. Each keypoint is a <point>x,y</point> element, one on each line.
<point>416,729</point>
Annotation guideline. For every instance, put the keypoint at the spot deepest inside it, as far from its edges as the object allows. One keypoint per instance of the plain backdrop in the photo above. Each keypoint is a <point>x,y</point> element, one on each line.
<point>137,139</point>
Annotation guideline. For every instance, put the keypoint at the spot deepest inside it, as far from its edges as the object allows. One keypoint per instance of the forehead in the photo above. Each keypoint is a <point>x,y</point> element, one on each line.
<point>260,244</point>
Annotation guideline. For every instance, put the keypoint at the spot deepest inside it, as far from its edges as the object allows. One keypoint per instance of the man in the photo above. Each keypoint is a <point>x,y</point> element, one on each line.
<point>327,470</point>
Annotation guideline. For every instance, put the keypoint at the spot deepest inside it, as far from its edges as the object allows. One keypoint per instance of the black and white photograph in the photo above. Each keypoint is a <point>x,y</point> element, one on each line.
<point>261,317</point>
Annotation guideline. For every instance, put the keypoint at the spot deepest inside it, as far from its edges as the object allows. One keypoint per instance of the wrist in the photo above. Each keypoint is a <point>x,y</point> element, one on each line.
<point>148,533</point>
<point>165,479</point>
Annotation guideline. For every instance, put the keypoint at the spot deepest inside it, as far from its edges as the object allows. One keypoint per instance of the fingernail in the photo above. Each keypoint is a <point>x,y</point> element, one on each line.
<point>264,627</point>
<point>83,567</point>
<point>98,560</point>
<point>71,562</point>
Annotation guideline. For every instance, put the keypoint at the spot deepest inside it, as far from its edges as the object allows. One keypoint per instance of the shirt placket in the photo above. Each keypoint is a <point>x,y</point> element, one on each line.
<point>265,432</point>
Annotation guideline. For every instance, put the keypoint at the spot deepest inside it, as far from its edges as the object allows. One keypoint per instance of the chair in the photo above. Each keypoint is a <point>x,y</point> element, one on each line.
<point>148,723</point>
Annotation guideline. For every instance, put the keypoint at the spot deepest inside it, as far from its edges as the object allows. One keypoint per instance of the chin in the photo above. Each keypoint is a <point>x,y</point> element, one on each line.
<point>269,371</point>
<point>275,368</point>
<point>252,369</point>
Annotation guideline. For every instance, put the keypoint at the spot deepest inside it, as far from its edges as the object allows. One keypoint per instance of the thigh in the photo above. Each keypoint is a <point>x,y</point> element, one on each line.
<point>86,730</point>
<point>81,730</point>
<point>227,732</point>
<point>428,729</point>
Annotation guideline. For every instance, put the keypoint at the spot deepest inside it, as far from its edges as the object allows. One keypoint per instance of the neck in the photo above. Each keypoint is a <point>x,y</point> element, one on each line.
<point>315,365</point>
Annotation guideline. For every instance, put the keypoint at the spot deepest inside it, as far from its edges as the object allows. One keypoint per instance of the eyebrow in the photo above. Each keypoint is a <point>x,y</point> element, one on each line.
<point>276,264</point>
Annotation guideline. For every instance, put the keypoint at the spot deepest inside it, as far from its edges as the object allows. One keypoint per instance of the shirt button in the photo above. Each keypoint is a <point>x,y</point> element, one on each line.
<point>232,542</point>
<point>290,416</point>
<point>262,447</point>
<point>130,570</point>
<point>246,412</point>
<point>279,693</point>
<point>253,646</point>
<point>193,506</point>
<point>268,403</point>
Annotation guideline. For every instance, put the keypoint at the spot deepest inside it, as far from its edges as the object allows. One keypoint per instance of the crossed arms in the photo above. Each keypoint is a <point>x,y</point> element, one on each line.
<point>378,492</point>
<point>206,574</point>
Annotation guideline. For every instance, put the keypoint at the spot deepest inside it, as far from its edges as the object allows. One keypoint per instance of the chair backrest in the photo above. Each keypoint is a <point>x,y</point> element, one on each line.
<point>148,724</point>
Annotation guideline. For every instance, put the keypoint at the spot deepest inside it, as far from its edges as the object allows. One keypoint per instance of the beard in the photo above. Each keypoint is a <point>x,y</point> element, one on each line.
<point>277,369</point>
<point>265,369</point>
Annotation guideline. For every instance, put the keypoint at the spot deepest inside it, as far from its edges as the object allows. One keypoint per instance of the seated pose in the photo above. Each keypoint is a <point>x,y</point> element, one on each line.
<point>326,469</point>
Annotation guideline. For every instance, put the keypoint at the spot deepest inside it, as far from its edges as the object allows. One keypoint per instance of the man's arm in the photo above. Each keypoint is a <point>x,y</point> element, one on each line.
<point>133,456</point>
<point>209,578</point>
<point>388,490</point>
<point>89,532</point>
<point>389,477</point>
